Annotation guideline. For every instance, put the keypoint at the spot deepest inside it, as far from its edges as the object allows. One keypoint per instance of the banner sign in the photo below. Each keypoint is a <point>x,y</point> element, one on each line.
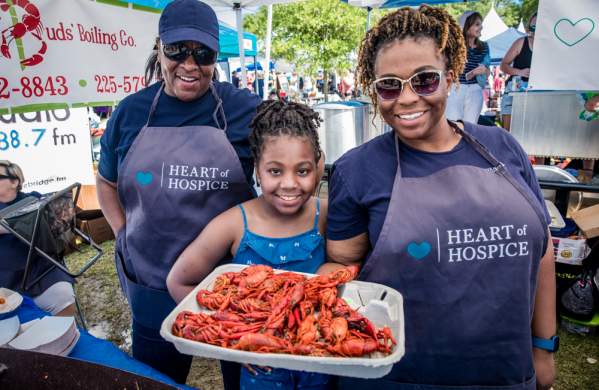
<point>56,53</point>
<point>566,46</point>
<point>52,147</point>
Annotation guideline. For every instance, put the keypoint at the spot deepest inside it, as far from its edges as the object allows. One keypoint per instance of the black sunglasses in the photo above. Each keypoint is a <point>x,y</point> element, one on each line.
<point>422,83</point>
<point>7,177</point>
<point>179,52</point>
<point>532,27</point>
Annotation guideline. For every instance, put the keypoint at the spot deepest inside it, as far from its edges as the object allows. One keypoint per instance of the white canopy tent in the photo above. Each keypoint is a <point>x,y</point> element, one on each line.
<point>498,35</point>
<point>493,25</point>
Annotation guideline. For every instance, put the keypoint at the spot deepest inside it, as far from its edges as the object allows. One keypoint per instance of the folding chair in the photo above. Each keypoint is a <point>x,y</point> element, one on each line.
<point>47,226</point>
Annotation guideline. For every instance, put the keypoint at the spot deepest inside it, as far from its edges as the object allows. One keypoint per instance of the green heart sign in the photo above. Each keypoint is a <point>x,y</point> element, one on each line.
<point>572,33</point>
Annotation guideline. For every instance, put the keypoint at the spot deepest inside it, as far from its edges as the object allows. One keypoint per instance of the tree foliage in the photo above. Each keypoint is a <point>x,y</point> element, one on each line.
<point>313,34</point>
<point>529,7</point>
<point>323,34</point>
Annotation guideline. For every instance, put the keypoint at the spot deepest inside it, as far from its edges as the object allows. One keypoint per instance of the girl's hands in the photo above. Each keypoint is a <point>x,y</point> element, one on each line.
<point>253,371</point>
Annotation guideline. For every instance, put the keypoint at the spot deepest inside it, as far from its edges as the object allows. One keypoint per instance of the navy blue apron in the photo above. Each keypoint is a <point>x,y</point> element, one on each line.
<point>463,246</point>
<point>173,181</point>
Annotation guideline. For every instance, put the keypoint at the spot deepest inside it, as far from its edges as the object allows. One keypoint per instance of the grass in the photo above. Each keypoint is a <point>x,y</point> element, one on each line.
<point>106,312</point>
<point>574,372</point>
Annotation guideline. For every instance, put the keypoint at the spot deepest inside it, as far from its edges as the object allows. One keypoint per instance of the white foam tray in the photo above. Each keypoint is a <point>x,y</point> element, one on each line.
<point>381,304</point>
<point>9,328</point>
<point>52,335</point>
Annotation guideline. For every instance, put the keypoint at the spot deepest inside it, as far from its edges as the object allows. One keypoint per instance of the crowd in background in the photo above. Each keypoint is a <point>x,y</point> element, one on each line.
<point>293,86</point>
<point>298,87</point>
<point>477,98</point>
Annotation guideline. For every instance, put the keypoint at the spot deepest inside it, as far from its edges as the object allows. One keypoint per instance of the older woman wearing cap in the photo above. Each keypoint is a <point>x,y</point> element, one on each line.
<point>54,291</point>
<point>174,155</point>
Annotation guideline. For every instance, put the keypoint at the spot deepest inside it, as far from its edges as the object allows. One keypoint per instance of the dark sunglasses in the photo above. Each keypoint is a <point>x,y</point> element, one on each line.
<point>7,177</point>
<point>532,27</point>
<point>422,83</point>
<point>179,52</point>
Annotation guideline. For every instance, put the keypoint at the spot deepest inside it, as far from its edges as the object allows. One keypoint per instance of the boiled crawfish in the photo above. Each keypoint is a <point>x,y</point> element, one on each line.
<point>259,310</point>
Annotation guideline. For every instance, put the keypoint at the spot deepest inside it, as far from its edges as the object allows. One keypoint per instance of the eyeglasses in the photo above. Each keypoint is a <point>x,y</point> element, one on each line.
<point>179,52</point>
<point>7,177</point>
<point>422,83</point>
<point>532,27</point>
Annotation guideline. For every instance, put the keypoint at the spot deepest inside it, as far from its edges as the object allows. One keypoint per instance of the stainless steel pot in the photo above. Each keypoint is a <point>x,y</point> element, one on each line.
<point>346,125</point>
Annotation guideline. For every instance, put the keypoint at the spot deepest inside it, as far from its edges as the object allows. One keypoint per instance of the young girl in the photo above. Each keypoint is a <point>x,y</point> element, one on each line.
<point>282,228</point>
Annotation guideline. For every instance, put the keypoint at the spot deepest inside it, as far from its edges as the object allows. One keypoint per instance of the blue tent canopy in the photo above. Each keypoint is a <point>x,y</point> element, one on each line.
<point>160,4</point>
<point>251,66</point>
<point>229,46</point>
<point>227,35</point>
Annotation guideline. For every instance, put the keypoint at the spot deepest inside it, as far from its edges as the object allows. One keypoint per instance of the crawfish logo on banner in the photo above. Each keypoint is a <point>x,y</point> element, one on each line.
<point>28,22</point>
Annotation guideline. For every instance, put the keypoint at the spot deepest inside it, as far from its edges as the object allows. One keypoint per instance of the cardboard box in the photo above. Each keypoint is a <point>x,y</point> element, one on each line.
<point>88,200</point>
<point>94,224</point>
<point>587,220</point>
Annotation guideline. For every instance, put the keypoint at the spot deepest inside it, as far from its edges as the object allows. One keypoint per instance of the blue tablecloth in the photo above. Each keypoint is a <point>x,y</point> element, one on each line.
<point>95,350</point>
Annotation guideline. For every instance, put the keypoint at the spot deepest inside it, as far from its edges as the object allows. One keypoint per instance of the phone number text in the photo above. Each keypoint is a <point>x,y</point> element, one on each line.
<point>113,84</point>
<point>34,86</point>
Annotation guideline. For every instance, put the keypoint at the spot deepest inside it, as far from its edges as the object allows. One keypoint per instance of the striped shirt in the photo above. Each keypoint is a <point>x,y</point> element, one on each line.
<point>475,58</point>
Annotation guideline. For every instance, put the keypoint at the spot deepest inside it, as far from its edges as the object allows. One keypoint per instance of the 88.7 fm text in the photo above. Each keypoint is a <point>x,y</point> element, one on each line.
<point>15,139</point>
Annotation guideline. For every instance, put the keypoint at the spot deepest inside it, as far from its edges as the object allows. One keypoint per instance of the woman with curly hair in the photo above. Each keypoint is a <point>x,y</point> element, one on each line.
<point>450,215</point>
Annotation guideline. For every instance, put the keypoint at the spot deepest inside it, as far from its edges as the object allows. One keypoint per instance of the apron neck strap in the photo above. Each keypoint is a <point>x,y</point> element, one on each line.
<point>215,114</point>
<point>218,110</point>
<point>154,103</point>
<point>480,148</point>
<point>396,147</point>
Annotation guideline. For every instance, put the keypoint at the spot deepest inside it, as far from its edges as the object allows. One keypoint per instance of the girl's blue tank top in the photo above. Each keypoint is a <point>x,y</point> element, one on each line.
<point>303,252</point>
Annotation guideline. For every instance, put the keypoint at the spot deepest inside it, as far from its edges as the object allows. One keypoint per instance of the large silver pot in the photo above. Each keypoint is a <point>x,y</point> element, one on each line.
<point>547,124</point>
<point>345,125</point>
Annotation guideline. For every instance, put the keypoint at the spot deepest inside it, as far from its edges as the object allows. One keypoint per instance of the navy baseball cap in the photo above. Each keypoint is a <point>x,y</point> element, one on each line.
<point>189,20</point>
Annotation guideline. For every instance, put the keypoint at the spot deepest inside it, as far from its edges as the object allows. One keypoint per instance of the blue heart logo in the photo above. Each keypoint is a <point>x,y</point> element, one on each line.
<point>419,251</point>
<point>144,178</point>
